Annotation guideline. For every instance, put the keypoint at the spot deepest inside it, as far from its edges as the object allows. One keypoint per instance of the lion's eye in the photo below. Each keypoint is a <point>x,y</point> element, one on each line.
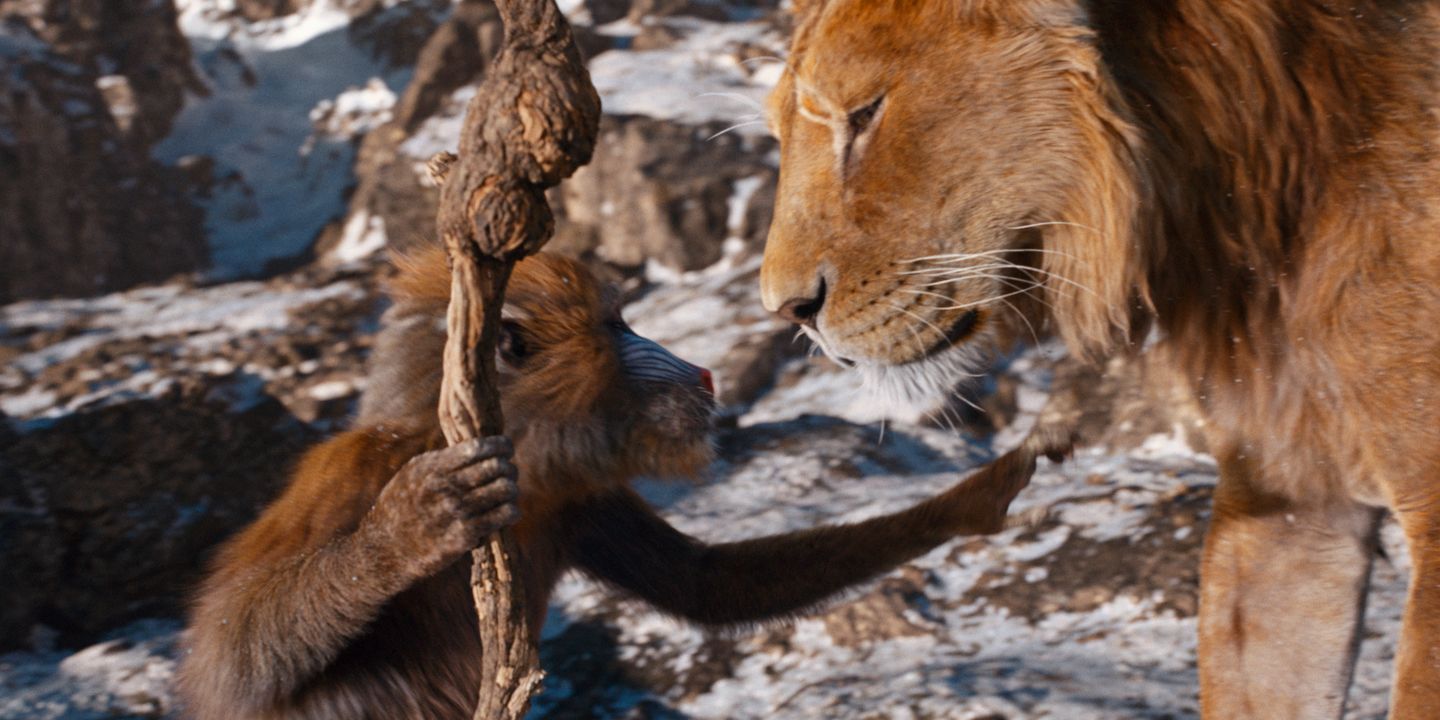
<point>860,119</point>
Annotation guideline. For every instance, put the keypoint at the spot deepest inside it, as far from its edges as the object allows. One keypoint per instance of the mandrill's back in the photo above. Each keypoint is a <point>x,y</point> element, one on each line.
<point>419,658</point>
<point>389,672</point>
<point>405,367</point>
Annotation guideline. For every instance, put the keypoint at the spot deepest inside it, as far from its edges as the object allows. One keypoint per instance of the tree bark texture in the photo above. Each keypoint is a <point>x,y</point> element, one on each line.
<point>532,122</point>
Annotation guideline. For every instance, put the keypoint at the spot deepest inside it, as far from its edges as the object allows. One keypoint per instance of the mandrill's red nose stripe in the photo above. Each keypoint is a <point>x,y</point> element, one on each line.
<point>707,381</point>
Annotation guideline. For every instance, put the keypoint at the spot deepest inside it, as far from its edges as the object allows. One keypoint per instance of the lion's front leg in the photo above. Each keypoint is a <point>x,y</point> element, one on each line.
<point>1282,598</point>
<point>1416,693</point>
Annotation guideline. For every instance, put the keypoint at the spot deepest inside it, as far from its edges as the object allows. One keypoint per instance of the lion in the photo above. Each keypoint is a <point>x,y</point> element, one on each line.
<point>1256,184</point>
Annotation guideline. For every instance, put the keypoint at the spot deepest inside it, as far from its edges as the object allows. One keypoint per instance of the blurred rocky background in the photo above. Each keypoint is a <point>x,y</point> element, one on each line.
<point>197,199</point>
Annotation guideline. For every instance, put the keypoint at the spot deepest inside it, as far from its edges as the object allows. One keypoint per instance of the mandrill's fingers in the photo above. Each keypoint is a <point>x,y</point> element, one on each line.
<point>1053,442</point>
<point>482,474</point>
<point>988,492</point>
<point>495,519</point>
<point>470,452</point>
<point>979,503</point>
<point>492,488</point>
<point>444,502</point>
<point>448,460</point>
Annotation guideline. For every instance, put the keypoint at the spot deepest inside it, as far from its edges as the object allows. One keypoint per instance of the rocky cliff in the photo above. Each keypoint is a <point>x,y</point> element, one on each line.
<point>90,87</point>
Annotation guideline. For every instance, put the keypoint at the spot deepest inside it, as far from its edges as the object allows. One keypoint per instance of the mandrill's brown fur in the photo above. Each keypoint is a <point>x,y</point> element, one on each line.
<point>1257,180</point>
<point>349,597</point>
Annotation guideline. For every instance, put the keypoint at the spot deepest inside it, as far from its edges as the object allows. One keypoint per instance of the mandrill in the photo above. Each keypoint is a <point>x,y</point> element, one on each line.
<point>349,597</point>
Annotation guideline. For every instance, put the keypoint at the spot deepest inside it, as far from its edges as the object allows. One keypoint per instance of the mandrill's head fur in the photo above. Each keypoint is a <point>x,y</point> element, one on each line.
<point>586,400</point>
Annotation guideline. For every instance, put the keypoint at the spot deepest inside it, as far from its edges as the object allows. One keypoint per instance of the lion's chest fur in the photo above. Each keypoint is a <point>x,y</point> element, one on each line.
<point>1330,379</point>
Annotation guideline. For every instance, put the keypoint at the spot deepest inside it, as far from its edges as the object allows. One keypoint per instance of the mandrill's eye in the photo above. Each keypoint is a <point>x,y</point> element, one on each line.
<point>511,344</point>
<point>860,120</point>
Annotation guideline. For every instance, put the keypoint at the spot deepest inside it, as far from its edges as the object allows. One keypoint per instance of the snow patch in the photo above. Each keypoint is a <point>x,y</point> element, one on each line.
<point>200,319</point>
<point>127,676</point>
<point>697,80</point>
<point>218,20</point>
<point>354,112</point>
<point>364,235</point>
<point>739,202</point>
<point>30,402</point>
<point>440,132</point>
<point>282,180</point>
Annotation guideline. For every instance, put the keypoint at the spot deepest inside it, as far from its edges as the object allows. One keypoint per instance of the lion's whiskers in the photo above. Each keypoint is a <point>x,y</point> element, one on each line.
<point>914,335</point>
<point>756,118</point>
<point>985,254</point>
<point>943,270</point>
<point>953,275</point>
<point>760,58</point>
<point>824,346</point>
<point>985,301</point>
<point>999,278</point>
<point>737,126</point>
<point>927,323</point>
<point>1010,283</point>
<point>1053,222</point>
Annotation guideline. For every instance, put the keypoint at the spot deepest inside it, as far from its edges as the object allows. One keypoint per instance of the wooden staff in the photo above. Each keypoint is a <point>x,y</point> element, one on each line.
<point>532,122</point>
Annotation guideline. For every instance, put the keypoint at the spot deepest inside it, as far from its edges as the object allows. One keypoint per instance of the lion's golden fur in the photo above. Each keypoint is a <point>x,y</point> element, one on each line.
<point>1258,181</point>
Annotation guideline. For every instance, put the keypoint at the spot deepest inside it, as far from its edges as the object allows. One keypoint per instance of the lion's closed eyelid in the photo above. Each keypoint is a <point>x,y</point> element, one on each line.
<point>807,107</point>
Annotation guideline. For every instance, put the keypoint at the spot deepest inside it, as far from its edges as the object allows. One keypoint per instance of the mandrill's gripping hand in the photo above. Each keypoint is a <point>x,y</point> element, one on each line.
<point>979,504</point>
<point>443,503</point>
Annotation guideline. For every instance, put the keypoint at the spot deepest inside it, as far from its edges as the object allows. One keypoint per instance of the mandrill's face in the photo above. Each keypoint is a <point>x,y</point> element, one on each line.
<point>583,391</point>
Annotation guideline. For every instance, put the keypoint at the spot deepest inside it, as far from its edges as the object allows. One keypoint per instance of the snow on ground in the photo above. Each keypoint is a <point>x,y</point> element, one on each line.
<point>1086,612</point>
<point>128,675</point>
<point>964,642</point>
<point>699,79</point>
<point>186,323</point>
<point>279,179</point>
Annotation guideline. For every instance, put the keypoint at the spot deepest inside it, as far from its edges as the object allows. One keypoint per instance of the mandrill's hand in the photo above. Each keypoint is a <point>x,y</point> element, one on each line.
<point>443,503</point>
<point>979,504</point>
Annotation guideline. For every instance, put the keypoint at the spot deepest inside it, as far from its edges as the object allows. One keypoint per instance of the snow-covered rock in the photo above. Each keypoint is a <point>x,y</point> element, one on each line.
<point>141,428</point>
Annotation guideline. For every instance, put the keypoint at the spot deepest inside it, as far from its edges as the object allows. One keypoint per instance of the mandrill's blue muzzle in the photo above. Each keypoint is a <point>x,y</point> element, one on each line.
<point>645,359</point>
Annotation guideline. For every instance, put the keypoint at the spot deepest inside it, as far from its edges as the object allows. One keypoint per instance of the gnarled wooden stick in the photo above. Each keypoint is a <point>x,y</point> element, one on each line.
<point>532,122</point>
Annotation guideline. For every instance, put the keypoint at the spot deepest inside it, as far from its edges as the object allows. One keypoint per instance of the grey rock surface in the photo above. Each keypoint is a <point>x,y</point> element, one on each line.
<point>89,88</point>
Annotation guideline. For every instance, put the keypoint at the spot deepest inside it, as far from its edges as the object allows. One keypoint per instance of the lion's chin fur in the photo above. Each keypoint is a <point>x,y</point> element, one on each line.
<point>930,378</point>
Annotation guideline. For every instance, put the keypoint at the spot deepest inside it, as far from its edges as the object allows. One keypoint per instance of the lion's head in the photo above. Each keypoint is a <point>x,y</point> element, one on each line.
<point>947,168</point>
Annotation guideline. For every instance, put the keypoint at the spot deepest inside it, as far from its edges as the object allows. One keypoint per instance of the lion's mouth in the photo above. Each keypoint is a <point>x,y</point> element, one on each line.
<point>959,332</point>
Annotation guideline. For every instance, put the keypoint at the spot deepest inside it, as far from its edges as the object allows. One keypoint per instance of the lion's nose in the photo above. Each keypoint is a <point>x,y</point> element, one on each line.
<point>804,310</point>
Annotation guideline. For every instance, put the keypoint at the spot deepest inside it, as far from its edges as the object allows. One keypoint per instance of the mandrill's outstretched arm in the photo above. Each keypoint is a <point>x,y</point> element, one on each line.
<point>619,539</point>
<point>350,533</point>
